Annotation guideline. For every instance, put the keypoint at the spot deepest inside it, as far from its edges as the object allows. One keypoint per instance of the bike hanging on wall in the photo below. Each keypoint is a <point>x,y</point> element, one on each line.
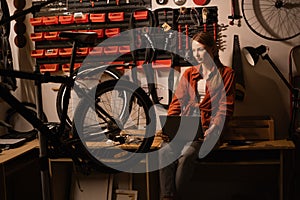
<point>272,20</point>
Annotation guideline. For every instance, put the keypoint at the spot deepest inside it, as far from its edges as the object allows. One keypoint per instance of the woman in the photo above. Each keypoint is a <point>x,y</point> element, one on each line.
<point>206,89</point>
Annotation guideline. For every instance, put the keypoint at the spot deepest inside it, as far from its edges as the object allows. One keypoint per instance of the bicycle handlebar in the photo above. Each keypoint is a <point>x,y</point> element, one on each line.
<point>43,78</point>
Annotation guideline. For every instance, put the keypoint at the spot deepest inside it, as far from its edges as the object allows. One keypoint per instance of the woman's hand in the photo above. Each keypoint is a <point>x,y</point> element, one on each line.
<point>164,137</point>
<point>213,128</point>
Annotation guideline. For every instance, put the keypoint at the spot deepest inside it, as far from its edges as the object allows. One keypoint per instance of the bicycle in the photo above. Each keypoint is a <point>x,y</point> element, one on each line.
<point>150,87</point>
<point>126,91</point>
<point>54,138</point>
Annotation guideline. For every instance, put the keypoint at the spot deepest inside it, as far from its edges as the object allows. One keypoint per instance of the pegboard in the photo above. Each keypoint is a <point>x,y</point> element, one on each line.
<point>109,19</point>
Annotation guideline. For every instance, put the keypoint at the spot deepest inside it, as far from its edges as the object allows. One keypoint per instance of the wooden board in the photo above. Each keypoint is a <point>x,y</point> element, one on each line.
<point>249,128</point>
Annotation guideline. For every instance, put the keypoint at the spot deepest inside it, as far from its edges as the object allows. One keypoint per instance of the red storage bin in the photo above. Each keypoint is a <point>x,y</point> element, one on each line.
<point>65,52</point>
<point>100,32</point>
<point>110,32</point>
<point>38,53</point>
<point>83,19</point>
<point>50,20</point>
<point>124,49</point>
<point>66,67</point>
<point>161,63</point>
<point>36,21</point>
<point>120,68</point>
<point>96,51</point>
<point>49,67</point>
<point>116,63</point>
<point>97,17</point>
<point>51,35</point>
<point>139,63</point>
<point>116,16</point>
<point>82,51</point>
<point>140,15</point>
<point>111,49</point>
<point>37,36</point>
<point>66,19</point>
<point>51,53</point>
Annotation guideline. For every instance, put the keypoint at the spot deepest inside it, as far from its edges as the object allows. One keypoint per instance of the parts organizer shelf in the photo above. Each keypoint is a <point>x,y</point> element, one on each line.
<point>106,19</point>
<point>109,20</point>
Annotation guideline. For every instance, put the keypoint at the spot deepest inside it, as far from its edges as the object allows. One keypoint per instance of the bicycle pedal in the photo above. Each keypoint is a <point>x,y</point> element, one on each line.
<point>52,125</point>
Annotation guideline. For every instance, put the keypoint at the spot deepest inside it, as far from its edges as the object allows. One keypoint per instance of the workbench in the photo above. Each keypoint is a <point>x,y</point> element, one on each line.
<point>15,163</point>
<point>19,172</point>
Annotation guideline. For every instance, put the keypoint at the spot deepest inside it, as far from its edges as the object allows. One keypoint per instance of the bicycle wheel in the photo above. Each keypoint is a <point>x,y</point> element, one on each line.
<point>276,20</point>
<point>109,74</point>
<point>119,128</point>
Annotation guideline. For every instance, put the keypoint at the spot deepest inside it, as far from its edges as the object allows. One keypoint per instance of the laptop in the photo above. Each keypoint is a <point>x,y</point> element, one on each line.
<point>181,128</point>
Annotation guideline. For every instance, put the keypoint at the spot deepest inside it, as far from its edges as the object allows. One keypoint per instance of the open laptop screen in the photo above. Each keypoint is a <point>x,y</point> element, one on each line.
<point>186,128</point>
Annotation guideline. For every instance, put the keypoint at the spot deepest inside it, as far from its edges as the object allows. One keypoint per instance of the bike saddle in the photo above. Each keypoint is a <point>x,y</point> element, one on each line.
<point>81,37</point>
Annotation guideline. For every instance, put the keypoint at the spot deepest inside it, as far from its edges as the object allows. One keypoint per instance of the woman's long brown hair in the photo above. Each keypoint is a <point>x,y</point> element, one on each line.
<point>208,40</point>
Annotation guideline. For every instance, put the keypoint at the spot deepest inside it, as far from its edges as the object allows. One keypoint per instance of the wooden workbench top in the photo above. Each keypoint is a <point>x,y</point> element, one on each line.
<point>6,155</point>
<point>261,145</point>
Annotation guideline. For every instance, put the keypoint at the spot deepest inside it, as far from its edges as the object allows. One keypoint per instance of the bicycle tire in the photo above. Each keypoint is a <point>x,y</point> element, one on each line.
<point>138,125</point>
<point>111,73</point>
<point>272,20</point>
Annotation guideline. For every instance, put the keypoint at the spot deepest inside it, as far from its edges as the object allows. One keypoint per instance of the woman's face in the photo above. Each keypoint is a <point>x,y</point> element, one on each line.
<point>201,53</point>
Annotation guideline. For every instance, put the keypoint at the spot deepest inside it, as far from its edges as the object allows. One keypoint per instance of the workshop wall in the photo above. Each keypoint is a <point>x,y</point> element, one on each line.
<point>265,93</point>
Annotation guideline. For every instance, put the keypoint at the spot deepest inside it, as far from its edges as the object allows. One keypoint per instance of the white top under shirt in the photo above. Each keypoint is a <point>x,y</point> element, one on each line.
<point>201,89</point>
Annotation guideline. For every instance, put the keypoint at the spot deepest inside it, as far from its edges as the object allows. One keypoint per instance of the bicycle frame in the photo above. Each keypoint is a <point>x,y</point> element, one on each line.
<point>35,122</point>
<point>14,102</point>
<point>45,131</point>
<point>46,78</point>
<point>20,108</point>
